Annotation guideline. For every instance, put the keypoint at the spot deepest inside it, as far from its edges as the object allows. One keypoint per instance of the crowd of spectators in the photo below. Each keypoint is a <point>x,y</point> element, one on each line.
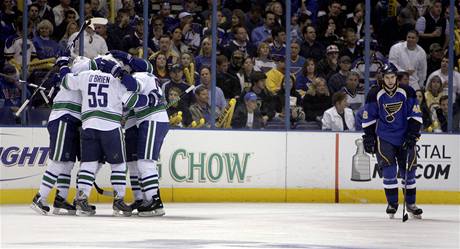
<point>327,61</point>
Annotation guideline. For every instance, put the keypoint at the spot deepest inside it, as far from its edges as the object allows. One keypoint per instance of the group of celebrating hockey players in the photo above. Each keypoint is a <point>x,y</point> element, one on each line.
<point>95,95</point>
<point>86,118</point>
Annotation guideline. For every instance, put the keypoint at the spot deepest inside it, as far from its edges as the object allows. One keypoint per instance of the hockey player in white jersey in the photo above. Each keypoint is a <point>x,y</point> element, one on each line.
<point>63,127</point>
<point>152,127</point>
<point>103,97</point>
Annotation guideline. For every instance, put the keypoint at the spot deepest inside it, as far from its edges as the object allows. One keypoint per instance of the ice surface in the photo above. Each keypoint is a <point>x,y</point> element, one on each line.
<point>236,225</point>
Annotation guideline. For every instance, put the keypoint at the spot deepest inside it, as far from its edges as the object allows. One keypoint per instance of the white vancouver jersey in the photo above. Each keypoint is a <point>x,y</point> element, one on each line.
<point>147,83</point>
<point>102,99</point>
<point>69,101</point>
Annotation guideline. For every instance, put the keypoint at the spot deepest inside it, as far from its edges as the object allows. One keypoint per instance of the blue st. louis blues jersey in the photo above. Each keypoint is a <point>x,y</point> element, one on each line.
<point>391,113</point>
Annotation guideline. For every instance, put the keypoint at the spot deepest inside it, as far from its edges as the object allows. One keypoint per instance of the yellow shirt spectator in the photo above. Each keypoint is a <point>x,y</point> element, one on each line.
<point>274,80</point>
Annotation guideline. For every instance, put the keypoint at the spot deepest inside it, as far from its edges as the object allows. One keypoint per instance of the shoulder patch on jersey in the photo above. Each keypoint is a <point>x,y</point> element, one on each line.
<point>365,115</point>
<point>416,109</point>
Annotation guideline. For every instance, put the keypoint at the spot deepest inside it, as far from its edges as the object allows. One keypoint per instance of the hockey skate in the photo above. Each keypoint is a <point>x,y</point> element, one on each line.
<point>120,208</point>
<point>154,207</point>
<point>39,206</point>
<point>391,210</point>
<point>136,204</point>
<point>93,207</point>
<point>414,211</point>
<point>62,207</point>
<point>82,205</point>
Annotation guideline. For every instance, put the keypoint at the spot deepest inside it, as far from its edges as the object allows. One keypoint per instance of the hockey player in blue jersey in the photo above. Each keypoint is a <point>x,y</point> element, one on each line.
<point>391,123</point>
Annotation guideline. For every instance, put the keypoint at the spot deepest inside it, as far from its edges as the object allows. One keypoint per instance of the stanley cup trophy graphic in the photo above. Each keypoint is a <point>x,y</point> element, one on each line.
<point>360,169</point>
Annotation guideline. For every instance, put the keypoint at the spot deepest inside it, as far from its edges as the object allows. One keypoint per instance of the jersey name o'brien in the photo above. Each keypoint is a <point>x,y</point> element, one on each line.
<point>99,79</point>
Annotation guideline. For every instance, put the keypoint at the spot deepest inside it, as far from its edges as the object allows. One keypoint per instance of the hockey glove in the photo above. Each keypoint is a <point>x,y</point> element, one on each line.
<point>121,55</point>
<point>370,144</point>
<point>154,98</point>
<point>108,66</point>
<point>62,61</point>
<point>64,52</point>
<point>410,141</point>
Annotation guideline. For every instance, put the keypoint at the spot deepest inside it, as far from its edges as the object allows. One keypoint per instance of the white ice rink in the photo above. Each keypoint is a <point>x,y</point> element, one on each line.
<point>232,225</point>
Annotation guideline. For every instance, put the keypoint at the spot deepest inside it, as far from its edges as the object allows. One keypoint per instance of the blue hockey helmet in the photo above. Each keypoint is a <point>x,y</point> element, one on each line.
<point>388,68</point>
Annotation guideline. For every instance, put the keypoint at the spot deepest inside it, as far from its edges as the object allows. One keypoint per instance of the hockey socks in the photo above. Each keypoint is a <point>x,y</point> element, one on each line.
<point>54,169</point>
<point>149,178</point>
<point>86,175</point>
<point>134,179</point>
<point>390,184</point>
<point>118,179</point>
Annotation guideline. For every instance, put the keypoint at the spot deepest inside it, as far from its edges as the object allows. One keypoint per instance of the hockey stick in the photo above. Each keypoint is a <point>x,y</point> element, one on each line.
<point>405,216</point>
<point>102,192</point>
<point>189,89</point>
<point>24,105</point>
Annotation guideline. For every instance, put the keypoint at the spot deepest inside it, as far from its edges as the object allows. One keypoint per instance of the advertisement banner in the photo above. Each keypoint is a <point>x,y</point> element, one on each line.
<point>438,162</point>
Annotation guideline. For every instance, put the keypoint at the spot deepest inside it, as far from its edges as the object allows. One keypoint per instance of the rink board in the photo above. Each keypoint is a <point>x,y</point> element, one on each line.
<point>242,166</point>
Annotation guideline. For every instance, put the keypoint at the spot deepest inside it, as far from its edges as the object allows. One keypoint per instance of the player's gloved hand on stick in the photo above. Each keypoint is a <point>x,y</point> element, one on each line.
<point>154,98</point>
<point>121,55</point>
<point>410,141</point>
<point>62,61</point>
<point>370,144</point>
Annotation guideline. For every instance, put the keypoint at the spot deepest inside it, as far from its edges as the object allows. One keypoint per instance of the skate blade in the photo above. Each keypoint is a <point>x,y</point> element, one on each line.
<point>38,210</point>
<point>415,216</point>
<point>84,213</point>
<point>119,213</point>
<point>157,212</point>
<point>62,211</point>
<point>391,216</point>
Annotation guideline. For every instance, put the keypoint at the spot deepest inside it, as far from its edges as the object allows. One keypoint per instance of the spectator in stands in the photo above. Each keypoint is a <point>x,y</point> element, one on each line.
<point>237,20</point>
<point>236,62</point>
<point>10,88</point>
<point>178,106</point>
<point>59,11</point>
<point>176,74</point>
<point>133,42</point>
<point>118,30</point>
<point>356,21</point>
<point>165,48</point>
<point>244,75</point>
<point>276,75</point>
<point>191,7</point>
<point>263,62</point>
<point>229,83</point>
<point>329,65</point>
<point>70,29</point>
<point>130,7</point>
<point>253,19</point>
<point>45,11</point>
<point>330,35</point>
<point>377,60</point>
<point>69,16</point>
<point>239,42</point>
<point>247,115</point>
<point>13,46</point>
<point>192,77</point>
<point>307,77</point>
<point>222,37</point>
<point>410,57</point>
<point>205,80</point>
<point>434,91</point>
<point>349,47</point>
<point>44,45</point>
<point>204,57</point>
<point>201,108</point>
<point>295,103</point>
<point>191,31</point>
<point>334,13</point>
<point>311,48</point>
<point>354,98</point>
<point>165,13</point>
<point>95,9</point>
<point>316,100</point>
<point>34,17</point>
<point>7,28</point>
<point>156,34</point>
<point>297,61</point>
<point>87,11</point>
<point>278,46</point>
<point>434,59</point>
<point>263,33</point>
<point>338,80</point>
<point>226,14</point>
<point>177,45</point>
<point>160,68</point>
<point>440,114</point>
<point>339,117</point>
<point>426,113</point>
<point>443,73</point>
<point>94,44</point>
<point>277,9</point>
<point>432,27</point>
<point>395,29</point>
